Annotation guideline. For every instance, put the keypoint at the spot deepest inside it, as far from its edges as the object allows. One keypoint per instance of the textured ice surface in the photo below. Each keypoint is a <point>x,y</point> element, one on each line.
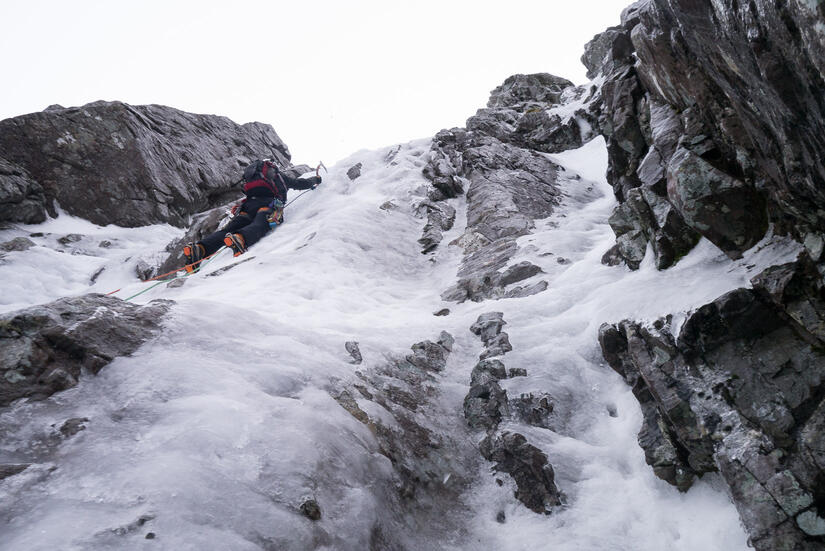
<point>215,432</point>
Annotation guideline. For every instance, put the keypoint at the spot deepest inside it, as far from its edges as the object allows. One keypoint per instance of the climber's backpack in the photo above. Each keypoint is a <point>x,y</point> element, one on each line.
<point>264,174</point>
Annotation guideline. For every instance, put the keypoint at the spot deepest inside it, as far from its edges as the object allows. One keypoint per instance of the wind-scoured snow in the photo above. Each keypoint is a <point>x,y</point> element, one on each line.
<point>214,433</point>
<point>101,260</point>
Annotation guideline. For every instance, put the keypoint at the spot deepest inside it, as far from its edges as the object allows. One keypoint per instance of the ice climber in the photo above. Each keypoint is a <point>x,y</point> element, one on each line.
<point>265,188</point>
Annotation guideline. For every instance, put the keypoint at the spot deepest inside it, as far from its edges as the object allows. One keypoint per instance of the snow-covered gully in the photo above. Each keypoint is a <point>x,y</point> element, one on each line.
<point>591,319</point>
<point>213,434</point>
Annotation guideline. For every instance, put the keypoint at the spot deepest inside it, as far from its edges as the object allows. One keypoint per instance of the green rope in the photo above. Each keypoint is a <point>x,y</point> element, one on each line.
<point>196,270</point>
<point>149,288</point>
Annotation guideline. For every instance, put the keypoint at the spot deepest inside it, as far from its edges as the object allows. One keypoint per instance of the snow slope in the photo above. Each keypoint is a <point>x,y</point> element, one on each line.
<point>213,434</point>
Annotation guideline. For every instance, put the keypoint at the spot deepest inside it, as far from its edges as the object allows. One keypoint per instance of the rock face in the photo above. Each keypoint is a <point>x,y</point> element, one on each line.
<point>43,349</point>
<point>21,198</point>
<point>110,162</point>
<point>742,391</point>
<point>498,162</point>
<point>693,150</point>
<point>714,116</point>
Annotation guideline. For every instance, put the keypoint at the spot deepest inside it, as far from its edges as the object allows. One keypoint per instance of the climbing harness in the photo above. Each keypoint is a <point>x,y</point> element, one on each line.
<point>276,217</point>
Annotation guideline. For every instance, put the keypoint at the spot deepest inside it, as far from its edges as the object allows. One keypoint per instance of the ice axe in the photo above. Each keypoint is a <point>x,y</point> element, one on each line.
<point>318,172</point>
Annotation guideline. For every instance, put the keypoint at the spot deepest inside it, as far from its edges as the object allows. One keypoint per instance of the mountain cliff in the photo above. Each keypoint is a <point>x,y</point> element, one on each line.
<point>591,318</point>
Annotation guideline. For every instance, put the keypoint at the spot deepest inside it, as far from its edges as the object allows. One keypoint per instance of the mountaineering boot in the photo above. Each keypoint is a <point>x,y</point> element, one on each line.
<point>194,253</point>
<point>235,241</point>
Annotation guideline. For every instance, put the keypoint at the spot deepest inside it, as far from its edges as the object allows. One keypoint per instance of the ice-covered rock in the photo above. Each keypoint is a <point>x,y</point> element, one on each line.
<point>534,476</point>
<point>739,391</point>
<point>45,349</point>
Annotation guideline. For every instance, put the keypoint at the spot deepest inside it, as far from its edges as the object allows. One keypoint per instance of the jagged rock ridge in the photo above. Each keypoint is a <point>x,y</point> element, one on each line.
<point>693,149</point>
<point>486,404</point>
<point>509,184</point>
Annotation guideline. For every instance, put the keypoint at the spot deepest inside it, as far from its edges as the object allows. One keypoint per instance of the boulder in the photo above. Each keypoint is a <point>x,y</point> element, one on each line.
<point>431,356</point>
<point>17,244</point>
<point>110,162</point>
<point>354,171</point>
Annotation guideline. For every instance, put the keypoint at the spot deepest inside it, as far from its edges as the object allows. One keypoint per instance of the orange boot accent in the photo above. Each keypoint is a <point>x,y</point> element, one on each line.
<point>194,253</point>
<point>235,242</point>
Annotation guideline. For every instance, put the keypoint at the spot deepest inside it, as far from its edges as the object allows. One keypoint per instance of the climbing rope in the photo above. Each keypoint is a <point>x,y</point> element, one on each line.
<point>203,262</point>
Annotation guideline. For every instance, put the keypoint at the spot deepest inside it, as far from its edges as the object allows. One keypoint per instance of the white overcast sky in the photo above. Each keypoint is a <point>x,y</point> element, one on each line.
<point>330,77</point>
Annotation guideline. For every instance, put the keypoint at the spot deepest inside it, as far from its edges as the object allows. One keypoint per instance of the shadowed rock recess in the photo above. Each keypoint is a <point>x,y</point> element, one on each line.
<point>714,114</point>
<point>110,162</point>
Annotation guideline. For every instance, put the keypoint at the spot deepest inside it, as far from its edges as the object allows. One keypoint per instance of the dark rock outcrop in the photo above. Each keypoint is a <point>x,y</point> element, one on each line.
<point>535,410</point>
<point>714,118</point>
<point>486,405</point>
<point>110,162</point>
<point>11,469</point>
<point>45,348</point>
<point>520,112</point>
<point>498,161</point>
<point>528,465</point>
<point>440,218</point>
<point>488,327</point>
<point>354,351</point>
<point>693,149</point>
<point>354,171</point>
<point>742,391</point>
<point>310,509</point>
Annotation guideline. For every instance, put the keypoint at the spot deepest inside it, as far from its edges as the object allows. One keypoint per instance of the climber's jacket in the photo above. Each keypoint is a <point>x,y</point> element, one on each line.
<point>263,179</point>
